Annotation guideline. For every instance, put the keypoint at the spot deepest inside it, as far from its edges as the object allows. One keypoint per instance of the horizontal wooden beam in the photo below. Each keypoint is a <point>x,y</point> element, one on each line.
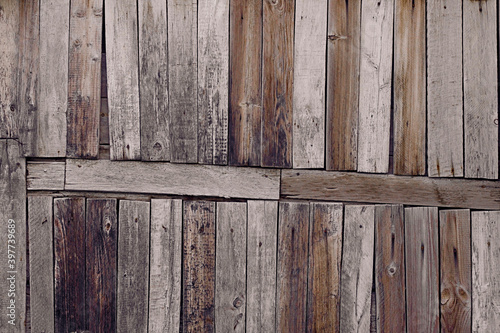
<point>45,175</point>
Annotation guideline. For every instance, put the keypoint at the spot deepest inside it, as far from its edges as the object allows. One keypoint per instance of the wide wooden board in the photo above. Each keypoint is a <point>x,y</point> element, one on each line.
<point>45,175</point>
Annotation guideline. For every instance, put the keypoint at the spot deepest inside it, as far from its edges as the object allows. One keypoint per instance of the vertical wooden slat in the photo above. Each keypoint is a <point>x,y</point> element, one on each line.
<point>409,87</point>
<point>133,267</point>
<point>104,123</point>
<point>245,74</point>
<point>165,263</point>
<point>69,265</point>
<point>199,267</point>
<point>277,86</point>
<point>456,285</point>
<point>153,81</point>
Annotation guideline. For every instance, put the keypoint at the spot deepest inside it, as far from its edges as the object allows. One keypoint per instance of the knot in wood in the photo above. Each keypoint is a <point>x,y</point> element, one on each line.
<point>237,302</point>
<point>391,269</point>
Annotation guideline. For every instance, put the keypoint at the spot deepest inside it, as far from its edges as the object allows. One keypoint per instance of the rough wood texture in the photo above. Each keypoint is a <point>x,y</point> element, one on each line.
<point>230,267</point>
<point>45,175</point>
<point>104,122</point>
<point>122,66</point>
<point>409,87</point>
<point>165,262</point>
<point>456,285</point>
<point>343,186</point>
<point>199,267</point>
<point>261,266</point>
<point>153,81</point>
<point>342,84</point>
<point>325,250</point>
<point>277,83</point>
<point>445,155</point>
<point>245,75</point>
<point>133,267</point>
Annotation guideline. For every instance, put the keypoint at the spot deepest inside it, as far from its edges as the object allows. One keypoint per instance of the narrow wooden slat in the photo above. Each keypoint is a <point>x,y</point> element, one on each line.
<point>455,256</point>
<point>198,282</point>
<point>409,87</point>
<point>153,82</point>
<point>45,175</point>
<point>230,267</point>
<point>375,85</point>
<point>245,73</point>
<point>445,157</point>
<point>261,266</point>
<point>277,83</point>
<point>122,65</point>
<point>104,72</point>
<point>104,122</point>
<point>325,250</point>
<point>133,267</point>
<point>165,262</point>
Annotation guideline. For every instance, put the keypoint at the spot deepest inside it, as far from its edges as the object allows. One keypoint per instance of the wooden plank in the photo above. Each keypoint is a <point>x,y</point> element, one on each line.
<point>182,77</point>
<point>230,267</point>
<point>390,269</point>
<point>485,276</point>
<point>133,267</point>
<point>213,81</point>
<point>262,241</point>
<point>104,75</point>
<point>198,282</point>
<point>345,186</point>
<point>41,263</point>
<point>409,87</point>
<point>342,85</point>
<point>122,65</point>
<point>163,178</point>
<point>69,264</point>
<point>480,89</point>
<point>245,84</point>
<point>325,251</point>
<point>53,78</point>
<point>84,87</point>
<point>291,295</point>
<point>375,86</point>
<point>45,175</point>
<point>153,81</point>
<point>104,122</point>
<point>277,83</point>
<point>166,267</point>
<point>455,259</point>
<point>445,157</point>
<point>101,254</point>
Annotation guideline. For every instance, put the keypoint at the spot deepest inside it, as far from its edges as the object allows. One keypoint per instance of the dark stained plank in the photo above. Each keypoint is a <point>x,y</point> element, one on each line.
<point>104,122</point>
<point>104,76</point>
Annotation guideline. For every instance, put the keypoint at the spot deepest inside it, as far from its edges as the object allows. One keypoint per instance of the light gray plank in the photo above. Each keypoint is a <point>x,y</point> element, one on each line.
<point>45,175</point>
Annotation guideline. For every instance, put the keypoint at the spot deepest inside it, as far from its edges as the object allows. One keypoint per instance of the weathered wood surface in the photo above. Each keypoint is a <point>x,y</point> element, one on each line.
<point>104,122</point>
<point>409,87</point>
<point>122,66</point>
<point>213,84</point>
<point>245,75</point>
<point>153,80</point>
<point>375,85</point>
<point>262,241</point>
<point>198,282</point>
<point>45,175</point>
<point>444,89</point>
<point>165,265</point>
<point>183,83</point>
<point>133,267</point>
<point>104,72</point>
<point>343,186</point>
<point>485,274</point>
<point>343,54</point>
<point>230,267</point>
<point>455,261</point>
<point>325,252</point>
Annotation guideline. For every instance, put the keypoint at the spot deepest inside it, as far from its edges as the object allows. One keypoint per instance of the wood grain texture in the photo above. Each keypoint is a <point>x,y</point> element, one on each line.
<point>133,267</point>
<point>409,87</point>
<point>122,66</point>
<point>445,157</point>
<point>245,82</point>
<point>325,252</point>
<point>455,260</point>
<point>45,175</point>
<point>277,83</point>
<point>375,86</point>
<point>153,80</point>
<point>198,282</point>
<point>104,122</point>
<point>342,97</point>
<point>262,238</point>
<point>480,89</point>
<point>183,83</point>
<point>165,265</point>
